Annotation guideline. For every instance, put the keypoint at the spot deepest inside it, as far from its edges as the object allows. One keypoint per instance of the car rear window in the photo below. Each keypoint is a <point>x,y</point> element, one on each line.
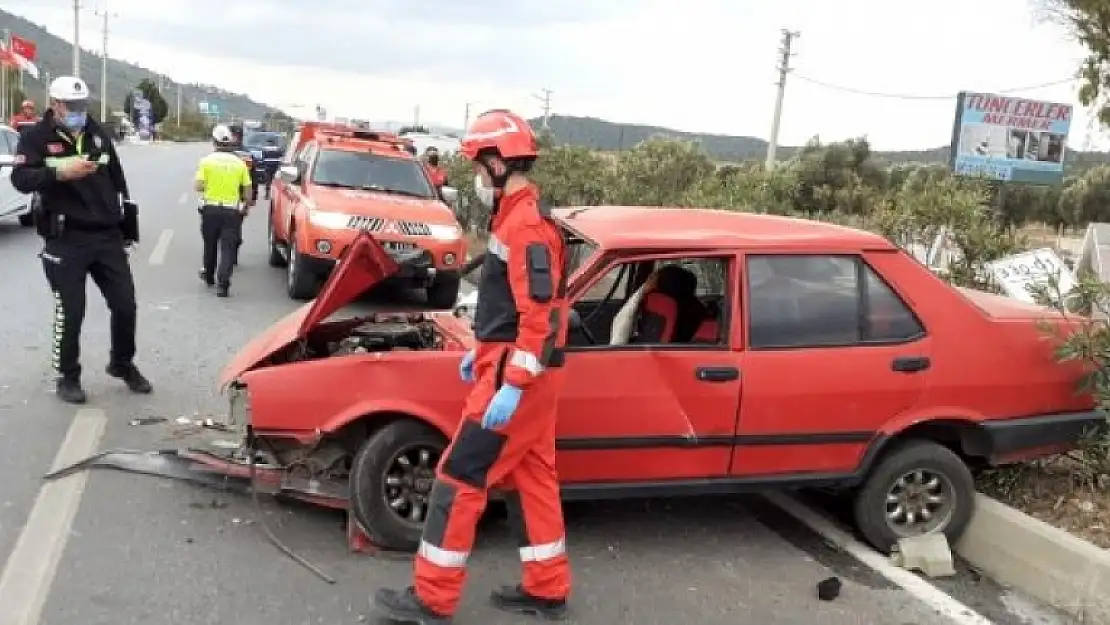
<point>371,172</point>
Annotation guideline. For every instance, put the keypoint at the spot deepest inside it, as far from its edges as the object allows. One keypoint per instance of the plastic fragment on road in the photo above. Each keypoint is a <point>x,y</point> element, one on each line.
<point>929,554</point>
<point>829,588</point>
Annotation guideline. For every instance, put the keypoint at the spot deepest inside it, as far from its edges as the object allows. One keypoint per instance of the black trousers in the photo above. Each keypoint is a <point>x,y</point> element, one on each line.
<point>222,231</point>
<point>67,260</point>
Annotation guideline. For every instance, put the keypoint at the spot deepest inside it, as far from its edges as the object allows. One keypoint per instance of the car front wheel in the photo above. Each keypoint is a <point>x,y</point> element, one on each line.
<point>276,258</point>
<point>919,487</point>
<point>391,483</point>
<point>300,283</point>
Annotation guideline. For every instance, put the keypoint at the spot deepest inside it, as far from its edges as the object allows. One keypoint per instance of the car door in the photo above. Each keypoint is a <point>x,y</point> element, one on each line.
<point>833,353</point>
<point>11,201</point>
<point>291,192</point>
<point>647,412</point>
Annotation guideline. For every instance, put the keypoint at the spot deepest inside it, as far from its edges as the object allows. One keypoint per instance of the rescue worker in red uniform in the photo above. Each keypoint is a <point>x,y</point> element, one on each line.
<point>25,117</point>
<point>436,173</point>
<point>506,438</point>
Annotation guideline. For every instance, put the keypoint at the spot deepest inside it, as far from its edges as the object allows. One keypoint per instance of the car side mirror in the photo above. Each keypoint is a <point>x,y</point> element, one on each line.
<point>449,194</point>
<point>7,160</point>
<point>290,174</point>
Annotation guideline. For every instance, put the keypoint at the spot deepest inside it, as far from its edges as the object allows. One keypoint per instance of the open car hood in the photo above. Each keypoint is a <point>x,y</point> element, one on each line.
<point>365,264</point>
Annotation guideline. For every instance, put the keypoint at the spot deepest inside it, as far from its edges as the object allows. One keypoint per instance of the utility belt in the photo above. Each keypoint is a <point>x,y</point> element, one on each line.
<point>557,359</point>
<point>51,225</point>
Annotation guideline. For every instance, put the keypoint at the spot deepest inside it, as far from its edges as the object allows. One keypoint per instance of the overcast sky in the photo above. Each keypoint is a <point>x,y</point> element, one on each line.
<point>699,65</point>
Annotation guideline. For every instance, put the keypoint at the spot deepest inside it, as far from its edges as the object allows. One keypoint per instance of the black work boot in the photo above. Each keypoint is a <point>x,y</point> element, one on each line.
<point>223,290</point>
<point>69,390</point>
<point>515,599</point>
<point>131,376</point>
<point>403,606</point>
<point>205,278</point>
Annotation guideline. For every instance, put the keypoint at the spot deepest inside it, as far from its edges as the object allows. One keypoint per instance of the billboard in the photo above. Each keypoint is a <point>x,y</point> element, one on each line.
<point>1009,138</point>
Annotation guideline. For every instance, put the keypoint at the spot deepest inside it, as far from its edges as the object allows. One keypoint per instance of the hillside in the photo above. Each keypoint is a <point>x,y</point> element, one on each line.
<point>56,58</point>
<point>606,135</point>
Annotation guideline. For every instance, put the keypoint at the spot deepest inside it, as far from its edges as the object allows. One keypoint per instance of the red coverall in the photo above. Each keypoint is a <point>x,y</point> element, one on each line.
<point>436,174</point>
<point>519,327</point>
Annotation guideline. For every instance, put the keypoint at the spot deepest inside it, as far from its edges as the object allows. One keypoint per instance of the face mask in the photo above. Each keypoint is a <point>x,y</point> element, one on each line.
<point>75,120</point>
<point>485,194</point>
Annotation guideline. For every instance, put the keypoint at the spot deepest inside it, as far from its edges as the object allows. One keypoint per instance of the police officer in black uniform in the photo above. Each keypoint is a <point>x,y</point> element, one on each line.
<point>69,160</point>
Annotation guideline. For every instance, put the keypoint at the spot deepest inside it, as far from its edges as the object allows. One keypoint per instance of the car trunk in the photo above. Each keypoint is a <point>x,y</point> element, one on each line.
<point>304,334</point>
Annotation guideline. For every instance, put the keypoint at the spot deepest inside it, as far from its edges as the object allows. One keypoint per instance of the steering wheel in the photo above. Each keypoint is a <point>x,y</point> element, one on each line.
<point>575,323</point>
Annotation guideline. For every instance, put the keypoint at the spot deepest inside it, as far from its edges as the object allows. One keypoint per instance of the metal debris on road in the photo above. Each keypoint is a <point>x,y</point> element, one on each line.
<point>147,421</point>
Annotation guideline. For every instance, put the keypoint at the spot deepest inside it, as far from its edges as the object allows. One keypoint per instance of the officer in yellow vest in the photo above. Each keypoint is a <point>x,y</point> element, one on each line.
<point>224,182</point>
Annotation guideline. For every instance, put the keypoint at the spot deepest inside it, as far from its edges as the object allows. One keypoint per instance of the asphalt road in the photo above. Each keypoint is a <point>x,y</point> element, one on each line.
<point>145,550</point>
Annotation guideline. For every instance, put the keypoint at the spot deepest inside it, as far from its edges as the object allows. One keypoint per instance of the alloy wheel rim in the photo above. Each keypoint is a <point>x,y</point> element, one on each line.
<point>919,502</point>
<point>407,482</point>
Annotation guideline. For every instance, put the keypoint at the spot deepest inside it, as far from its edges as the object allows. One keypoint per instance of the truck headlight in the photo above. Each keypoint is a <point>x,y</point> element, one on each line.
<point>444,233</point>
<point>329,220</point>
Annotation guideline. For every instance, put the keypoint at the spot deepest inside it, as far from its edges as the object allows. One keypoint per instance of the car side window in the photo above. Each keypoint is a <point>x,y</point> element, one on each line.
<point>684,302</point>
<point>8,141</point>
<point>820,300</point>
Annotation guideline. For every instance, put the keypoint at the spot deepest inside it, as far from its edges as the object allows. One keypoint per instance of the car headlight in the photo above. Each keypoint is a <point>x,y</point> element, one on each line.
<point>329,220</point>
<point>444,233</point>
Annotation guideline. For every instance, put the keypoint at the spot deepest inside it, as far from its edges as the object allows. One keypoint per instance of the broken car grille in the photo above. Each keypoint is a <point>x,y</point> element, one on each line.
<point>389,226</point>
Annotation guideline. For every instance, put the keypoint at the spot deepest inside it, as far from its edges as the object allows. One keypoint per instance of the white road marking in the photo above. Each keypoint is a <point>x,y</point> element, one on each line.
<point>158,254</point>
<point>29,573</point>
<point>925,592</point>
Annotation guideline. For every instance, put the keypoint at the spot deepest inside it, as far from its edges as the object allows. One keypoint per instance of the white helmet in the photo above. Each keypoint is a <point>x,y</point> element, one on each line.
<point>69,89</point>
<point>222,134</point>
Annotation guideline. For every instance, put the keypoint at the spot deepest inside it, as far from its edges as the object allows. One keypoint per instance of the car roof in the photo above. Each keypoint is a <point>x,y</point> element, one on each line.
<point>645,227</point>
<point>378,148</point>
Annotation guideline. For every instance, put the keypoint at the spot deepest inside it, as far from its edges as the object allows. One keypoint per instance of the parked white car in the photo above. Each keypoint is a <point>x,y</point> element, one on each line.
<point>12,202</point>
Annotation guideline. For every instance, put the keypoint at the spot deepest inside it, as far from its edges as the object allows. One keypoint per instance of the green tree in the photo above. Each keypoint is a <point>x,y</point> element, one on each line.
<point>1089,23</point>
<point>415,128</point>
<point>158,105</point>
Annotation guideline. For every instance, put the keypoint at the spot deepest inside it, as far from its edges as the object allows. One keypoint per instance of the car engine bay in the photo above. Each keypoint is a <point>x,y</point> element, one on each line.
<point>384,336</point>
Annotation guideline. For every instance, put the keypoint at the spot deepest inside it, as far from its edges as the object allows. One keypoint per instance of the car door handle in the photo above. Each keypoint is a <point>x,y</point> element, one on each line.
<point>911,364</point>
<point>717,374</point>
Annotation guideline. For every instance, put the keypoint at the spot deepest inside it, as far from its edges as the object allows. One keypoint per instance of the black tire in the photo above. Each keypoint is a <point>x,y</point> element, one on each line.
<point>443,293</point>
<point>870,506</point>
<point>27,220</point>
<point>276,259</point>
<point>300,283</point>
<point>367,484</point>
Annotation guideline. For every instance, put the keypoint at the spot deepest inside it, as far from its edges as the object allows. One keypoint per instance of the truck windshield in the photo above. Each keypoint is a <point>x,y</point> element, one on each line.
<point>263,139</point>
<point>371,172</point>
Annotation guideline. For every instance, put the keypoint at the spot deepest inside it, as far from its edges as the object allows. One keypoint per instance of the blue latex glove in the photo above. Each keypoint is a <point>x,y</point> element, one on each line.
<point>466,367</point>
<point>501,407</point>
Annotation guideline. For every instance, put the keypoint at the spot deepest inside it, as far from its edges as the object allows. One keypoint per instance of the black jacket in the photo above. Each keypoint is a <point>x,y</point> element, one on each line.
<point>92,202</point>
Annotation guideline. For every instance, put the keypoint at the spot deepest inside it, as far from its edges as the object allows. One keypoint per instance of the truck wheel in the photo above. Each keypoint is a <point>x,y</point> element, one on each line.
<point>299,281</point>
<point>391,483</point>
<point>919,487</point>
<point>443,293</point>
<point>276,259</point>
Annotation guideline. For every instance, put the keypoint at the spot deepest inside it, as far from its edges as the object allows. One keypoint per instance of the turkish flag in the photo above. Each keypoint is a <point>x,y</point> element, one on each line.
<point>23,47</point>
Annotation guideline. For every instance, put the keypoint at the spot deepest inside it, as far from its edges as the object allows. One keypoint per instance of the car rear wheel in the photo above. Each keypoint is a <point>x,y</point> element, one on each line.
<point>443,293</point>
<point>918,488</point>
<point>299,281</point>
<point>276,258</point>
<point>391,483</point>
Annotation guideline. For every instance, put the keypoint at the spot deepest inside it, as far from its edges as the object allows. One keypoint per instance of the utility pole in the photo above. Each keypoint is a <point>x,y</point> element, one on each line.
<point>466,118</point>
<point>546,99</point>
<point>77,38</point>
<point>105,14</point>
<point>45,89</point>
<point>788,37</point>
<point>5,90</point>
<point>178,116</point>
<point>416,115</point>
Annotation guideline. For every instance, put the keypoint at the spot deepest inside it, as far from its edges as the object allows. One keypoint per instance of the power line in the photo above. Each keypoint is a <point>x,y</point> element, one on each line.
<point>906,96</point>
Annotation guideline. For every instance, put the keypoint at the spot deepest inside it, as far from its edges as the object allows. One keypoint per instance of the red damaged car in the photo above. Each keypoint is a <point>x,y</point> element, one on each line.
<point>777,353</point>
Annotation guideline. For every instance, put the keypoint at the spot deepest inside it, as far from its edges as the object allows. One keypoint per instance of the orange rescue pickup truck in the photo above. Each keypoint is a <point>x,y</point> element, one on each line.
<point>338,180</point>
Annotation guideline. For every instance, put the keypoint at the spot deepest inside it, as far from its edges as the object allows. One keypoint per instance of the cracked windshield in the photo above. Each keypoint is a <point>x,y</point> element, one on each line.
<point>613,313</point>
